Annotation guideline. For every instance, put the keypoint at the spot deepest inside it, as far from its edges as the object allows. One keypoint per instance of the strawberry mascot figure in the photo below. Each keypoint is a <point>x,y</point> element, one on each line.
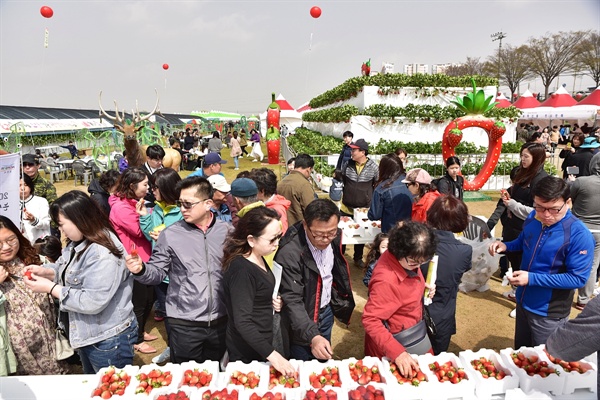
<point>273,134</point>
<point>474,105</point>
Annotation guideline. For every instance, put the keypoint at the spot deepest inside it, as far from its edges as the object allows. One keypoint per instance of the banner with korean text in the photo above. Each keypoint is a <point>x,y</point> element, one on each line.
<point>10,173</point>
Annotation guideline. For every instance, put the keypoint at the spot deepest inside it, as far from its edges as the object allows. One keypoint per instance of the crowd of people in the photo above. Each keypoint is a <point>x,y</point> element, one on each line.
<point>203,253</point>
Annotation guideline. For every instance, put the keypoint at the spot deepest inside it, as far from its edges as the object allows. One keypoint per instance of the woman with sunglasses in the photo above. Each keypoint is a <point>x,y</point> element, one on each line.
<point>248,285</point>
<point>132,187</point>
<point>92,284</point>
<point>30,317</point>
<point>393,316</point>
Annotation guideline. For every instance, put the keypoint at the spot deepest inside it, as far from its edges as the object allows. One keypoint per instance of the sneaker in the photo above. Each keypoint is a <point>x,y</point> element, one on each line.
<point>597,292</point>
<point>510,295</point>
<point>580,306</point>
<point>359,264</point>
<point>513,313</point>
<point>236,169</point>
<point>255,160</point>
<point>158,318</point>
<point>163,357</point>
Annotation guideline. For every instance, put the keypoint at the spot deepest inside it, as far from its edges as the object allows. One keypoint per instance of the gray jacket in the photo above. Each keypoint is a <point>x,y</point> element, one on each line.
<point>578,337</point>
<point>192,260</point>
<point>585,193</point>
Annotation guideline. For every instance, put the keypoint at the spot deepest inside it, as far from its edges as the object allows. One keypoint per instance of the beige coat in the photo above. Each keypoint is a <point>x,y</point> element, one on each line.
<point>299,191</point>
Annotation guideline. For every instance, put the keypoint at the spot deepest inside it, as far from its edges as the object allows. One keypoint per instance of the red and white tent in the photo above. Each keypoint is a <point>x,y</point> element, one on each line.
<point>592,100</point>
<point>303,108</point>
<point>502,101</point>
<point>288,117</point>
<point>560,98</point>
<point>526,101</point>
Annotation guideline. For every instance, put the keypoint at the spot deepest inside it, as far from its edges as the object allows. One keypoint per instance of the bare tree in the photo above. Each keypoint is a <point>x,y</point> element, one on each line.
<point>513,67</point>
<point>470,67</point>
<point>588,59</point>
<point>553,54</point>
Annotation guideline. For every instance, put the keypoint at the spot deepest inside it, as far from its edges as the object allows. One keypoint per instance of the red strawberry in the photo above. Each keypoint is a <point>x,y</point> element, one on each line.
<point>454,137</point>
<point>497,130</point>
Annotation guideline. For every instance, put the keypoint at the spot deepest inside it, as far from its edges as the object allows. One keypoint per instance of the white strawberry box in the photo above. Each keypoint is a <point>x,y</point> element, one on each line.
<point>341,394</point>
<point>575,379</point>
<point>465,388</point>
<point>207,367</point>
<point>328,372</point>
<point>373,227</point>
<point>275,384</point>
<point>249,372</point>
<point>360,214</point>
<point>174,370</point>
<point>366,378</point>
<point>485,388</point>
<point>157,393</point>
<point>276,394</point>
<point>551,383</point>
<point>404,390</point>
<point>130,370</point>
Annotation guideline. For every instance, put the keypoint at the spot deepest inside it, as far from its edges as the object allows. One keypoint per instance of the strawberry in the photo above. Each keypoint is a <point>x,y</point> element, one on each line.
<point>454,137</point>
<point>497,130</point>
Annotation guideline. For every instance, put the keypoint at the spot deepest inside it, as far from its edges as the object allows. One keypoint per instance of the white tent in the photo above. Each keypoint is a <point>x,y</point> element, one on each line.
<point>289,116</point>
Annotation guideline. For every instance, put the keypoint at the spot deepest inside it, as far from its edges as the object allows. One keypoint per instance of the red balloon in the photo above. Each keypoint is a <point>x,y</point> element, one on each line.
<point>315,12</point>
<point>554,95</point>
<point>578,96</point>
<point>499,93</point>
<point>46,12</point>
<point>515,95</point>
<point>165,66</point>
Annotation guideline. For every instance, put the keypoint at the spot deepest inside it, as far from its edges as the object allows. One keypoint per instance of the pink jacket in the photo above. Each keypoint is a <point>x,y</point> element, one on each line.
<point>126,222</point>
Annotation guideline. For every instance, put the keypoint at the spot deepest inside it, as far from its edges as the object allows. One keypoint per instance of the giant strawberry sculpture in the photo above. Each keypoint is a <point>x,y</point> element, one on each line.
<point>273,134</point>
<point>475,104</point>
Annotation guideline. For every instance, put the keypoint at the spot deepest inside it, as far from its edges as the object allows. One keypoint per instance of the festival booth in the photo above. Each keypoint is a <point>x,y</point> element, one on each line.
<point>288,117</point>
<point>527,100</point>
<point>364,127</point>
<point>502,101</point>
<point>562,107</point>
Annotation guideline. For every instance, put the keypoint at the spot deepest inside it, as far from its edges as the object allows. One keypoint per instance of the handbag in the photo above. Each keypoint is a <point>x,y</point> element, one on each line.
<point>414,339</point>
<point>431,329</point>
<point>63,347</point>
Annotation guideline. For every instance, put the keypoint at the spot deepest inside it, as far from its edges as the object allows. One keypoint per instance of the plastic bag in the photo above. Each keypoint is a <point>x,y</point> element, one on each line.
<point>483,266</point>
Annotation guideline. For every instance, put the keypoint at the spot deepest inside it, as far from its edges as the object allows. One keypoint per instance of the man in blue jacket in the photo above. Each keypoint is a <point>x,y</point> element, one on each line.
<point>558,250</point>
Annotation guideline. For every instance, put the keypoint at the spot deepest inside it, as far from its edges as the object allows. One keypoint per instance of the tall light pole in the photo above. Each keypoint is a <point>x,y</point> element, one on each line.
<point>498,36</point>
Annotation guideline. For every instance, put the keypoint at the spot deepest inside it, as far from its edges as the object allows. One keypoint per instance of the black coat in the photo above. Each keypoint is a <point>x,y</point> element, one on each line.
<point>301,285</point>
<point>454,259</point>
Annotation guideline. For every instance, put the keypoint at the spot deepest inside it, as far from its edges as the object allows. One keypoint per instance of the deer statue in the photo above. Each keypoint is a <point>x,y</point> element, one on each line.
<point>136,154</point>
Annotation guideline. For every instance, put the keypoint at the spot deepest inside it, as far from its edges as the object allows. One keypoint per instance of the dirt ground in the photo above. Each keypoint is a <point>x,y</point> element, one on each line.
<point>482,318</point>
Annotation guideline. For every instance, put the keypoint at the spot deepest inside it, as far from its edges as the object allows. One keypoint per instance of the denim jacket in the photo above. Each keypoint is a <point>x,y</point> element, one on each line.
<point>96,294</point>
<point>390,204</point>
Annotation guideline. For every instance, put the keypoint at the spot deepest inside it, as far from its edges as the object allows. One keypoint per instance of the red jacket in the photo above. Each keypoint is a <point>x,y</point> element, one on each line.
<point>419,209</point>
<point>395,297</point>
<point>281,205</point>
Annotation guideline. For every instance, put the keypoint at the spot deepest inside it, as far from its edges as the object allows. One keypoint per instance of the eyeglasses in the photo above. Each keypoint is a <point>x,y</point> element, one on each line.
<point>414,263</point>
<point>552,211</point>
<point>11,242</point>
<point>187,204</point>
<point>272,241</point>
<point>323,236</point>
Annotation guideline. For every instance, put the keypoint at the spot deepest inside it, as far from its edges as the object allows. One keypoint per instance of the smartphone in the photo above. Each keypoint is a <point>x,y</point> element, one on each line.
<point>572,170</point>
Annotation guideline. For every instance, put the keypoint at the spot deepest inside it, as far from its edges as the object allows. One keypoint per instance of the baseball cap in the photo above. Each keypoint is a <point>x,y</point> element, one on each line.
<point>243,187</point>
<point>213,158</point>
<point>418,175</point>
<point>360,144</point>
<point>30,159</point>
<point>219,183</point>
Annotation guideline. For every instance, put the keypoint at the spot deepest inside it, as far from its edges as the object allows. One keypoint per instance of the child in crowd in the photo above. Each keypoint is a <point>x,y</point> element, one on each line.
<point>378,247</point>
<point>337,186</point>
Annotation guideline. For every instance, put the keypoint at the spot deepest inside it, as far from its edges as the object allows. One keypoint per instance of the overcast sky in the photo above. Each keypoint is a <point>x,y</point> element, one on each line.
<point>230,55</point>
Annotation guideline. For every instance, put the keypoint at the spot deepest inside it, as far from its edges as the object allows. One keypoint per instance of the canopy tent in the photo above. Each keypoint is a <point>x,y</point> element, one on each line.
<point>502,101</point>
<point>304,107</point>
<point>560,98</point>
<point>217,115</point>
<point>593,99</point>
<point>288,117</point>
<point>526,101</point>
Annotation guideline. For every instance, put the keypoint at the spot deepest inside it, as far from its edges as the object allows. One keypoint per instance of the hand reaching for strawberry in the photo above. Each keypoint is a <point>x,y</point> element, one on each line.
<point>407,365</point>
